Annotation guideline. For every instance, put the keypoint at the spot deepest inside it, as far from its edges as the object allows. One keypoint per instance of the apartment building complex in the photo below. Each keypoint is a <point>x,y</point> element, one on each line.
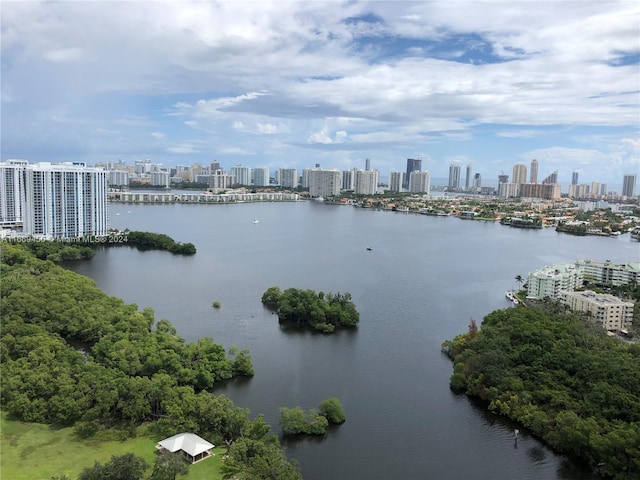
<point>550,281</point>
<point>607,310</point>
<point>54,201</point>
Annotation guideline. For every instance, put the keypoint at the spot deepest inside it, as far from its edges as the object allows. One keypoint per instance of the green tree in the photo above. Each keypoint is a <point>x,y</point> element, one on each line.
<point>331,409</point>
<point>123,467</point>
<point>168,466</point>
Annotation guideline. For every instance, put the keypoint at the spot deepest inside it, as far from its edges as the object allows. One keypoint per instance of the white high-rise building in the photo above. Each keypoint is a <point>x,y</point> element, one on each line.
<point>324,183</point>
<point>12,193</point>
<point>160,178</point>
<point>261,176</point>
<point>118,178</point>
<point>551,280</point>
<point>349,179</point>
<point>534,171</point>
<point>65,201</point>
<point>288,177</point>
<point>395,181</point>
<point>454,176</point>
<point>366,182</point>
<point>419,182</point>
<point>242,174</point>
<point>629,185</point>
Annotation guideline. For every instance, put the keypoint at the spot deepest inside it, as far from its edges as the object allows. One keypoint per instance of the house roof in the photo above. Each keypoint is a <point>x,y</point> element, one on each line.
<point>187,442</point>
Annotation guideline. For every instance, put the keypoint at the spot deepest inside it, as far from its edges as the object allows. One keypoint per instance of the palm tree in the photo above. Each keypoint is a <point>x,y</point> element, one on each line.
<point>519,279</point>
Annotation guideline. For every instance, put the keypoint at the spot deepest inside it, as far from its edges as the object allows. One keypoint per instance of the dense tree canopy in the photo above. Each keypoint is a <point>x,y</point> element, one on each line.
<point>71,355</point>
<point>331,409</point>
<point>308,308</point>
<point>560,377</point>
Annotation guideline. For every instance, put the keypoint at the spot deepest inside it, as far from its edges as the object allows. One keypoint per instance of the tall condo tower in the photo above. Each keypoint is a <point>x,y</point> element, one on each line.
<point>454,176</point>
<point>65,201</point>
<point>629,185</point>
<point>367,165</point>
<point>534,171</point>
<point>574,178</point>
<point>467,182</point>
<point>519,174</point>
<point>413,165</point>
<point>395,181</point>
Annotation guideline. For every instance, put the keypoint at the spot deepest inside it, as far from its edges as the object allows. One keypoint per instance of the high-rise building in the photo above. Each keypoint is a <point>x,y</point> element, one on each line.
<point>160,178</point>
<point>534,171</point>
<point>288,177</point>
<point>467,182</point>
<point>366,182</point>
<point>454,176</point>
<point>324,183</point>
<point>395,181</point>
<point>260,176</point>
<point>367,164</point>
<point>349,179</point>
<point>420,182</point>
<point>552,178</point>
<point>304,180</point>
<point>519,174</point>
<point>65,201</point>
<point>502,178</point>
<point>603,189</point>
<point>477,181</point>
<point>413,165</point>
<point>574,178</point>
<point>242,174</point>
<point>629,185</point>
<point>12,192</point>
<point>118,178</point>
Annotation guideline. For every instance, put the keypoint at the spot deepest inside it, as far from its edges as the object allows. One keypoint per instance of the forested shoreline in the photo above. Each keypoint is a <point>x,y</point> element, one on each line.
<point>562,378</point>
<point>129,371</point>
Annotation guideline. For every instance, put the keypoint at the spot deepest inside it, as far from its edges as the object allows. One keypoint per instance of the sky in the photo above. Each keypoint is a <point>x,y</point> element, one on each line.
<point>291,84</point>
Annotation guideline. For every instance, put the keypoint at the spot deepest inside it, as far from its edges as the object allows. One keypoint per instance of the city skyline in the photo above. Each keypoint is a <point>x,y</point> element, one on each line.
<point>294,84</point>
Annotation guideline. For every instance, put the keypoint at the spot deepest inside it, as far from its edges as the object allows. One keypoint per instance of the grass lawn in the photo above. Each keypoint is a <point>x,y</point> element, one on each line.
<point>30,451</point>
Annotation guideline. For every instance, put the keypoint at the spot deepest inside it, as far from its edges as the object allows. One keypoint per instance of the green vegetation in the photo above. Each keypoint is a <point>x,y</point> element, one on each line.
<point>73,356</point>
<point>215,304</point>
<point>158,241</point>
<point>310,309</point>
<point>331,409</point>
<point>295,421</point>
<point>561,378</point>
<point>120,467</point>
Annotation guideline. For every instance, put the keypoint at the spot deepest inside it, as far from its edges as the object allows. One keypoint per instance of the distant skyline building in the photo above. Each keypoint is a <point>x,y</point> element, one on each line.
<point>366,182</point>
<point>242,174</point>
<point>534,172</point>
<point>467,180</point>
<point>519,174</point>
<point>395,181</point>
<point>413,165</point>
<point>629,185</point>
<point>477,181</point>
<point>574,178</point>
<point>349,179</point>
<point>502,178</point>
<point>454,176</point>
<point>260,176</point>
<point>552,178</point>
<point>420,182</point>
<point>288,177</point>
<point>367,165</point>
<point>324,183</point>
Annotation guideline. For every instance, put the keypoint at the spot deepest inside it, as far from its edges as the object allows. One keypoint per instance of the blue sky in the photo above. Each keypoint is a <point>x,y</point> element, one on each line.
<point>295,83</point>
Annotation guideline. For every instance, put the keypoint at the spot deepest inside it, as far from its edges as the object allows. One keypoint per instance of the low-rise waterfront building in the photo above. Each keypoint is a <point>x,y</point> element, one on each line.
<point>549,281</point>
<point>607,310</point>
<point>608,273</point>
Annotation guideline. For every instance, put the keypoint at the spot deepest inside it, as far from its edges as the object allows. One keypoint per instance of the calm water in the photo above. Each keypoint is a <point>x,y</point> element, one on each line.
<point>420,284</point>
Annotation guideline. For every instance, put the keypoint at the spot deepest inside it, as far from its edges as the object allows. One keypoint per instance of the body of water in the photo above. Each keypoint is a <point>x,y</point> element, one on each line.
<point>420,284</point>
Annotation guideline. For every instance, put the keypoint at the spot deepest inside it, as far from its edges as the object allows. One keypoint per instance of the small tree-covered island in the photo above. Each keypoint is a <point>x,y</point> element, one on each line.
<point>306,308</point>
<point>295,421</point>
<point>559,376</point>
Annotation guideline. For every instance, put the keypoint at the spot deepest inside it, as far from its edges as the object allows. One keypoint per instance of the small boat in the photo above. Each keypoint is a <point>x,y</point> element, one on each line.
<point>255,220</point>
<point>369,248</point>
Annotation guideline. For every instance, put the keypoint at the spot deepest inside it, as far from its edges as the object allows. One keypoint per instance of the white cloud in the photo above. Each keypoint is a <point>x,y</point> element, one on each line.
<point>267,128</point>
<point>158,135</point>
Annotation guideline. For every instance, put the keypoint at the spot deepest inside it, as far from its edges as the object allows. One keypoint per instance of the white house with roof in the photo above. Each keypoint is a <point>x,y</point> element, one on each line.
<point>193,447</point>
